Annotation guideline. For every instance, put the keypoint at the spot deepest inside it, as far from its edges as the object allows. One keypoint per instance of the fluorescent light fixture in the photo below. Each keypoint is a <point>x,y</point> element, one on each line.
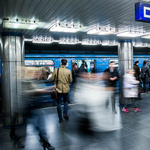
<point>28,40</point>
<point>65,28</point>
<point>19,24</point>
<point>71,41</point>
<point>129,34</point>
<point>109,44</point>
<point>146,36</point>
<point>91,42</point>
<point>100,31</point>
<point>141,45</point>
<point>105,44</point>
<point>113,44</point>
<point>146,0</point>
<point>42,40</point>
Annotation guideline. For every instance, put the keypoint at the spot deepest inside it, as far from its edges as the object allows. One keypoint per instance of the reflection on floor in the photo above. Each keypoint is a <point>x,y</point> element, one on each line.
<point>135,134</point>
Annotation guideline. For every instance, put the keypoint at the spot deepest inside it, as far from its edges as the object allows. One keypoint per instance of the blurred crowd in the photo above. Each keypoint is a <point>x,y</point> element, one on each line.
<point>94,95</point>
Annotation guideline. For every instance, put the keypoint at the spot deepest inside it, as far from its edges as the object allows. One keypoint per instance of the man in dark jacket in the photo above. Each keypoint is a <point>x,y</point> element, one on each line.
<point>82,69</point>
<point>137,76</point>
<point>145,75</point>
<point>112,73</point>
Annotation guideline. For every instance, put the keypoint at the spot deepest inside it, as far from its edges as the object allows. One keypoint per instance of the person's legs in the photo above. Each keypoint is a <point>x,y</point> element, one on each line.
<point>113,99</point>
<point>147,86</point>
<point>65,98</point>
<point>139,91</point>
<point>135,105</point>
<point>124,109</point>
<point>59,105</point>
<point>38,120</point>
<point>12,130</point>
<point>144,86</point>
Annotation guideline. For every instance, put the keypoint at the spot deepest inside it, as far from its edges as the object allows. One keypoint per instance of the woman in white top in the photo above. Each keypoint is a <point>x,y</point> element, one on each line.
<point>130,90</point>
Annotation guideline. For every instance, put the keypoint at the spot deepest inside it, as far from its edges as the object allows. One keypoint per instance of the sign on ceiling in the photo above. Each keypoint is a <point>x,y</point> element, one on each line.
<point>142,12</point>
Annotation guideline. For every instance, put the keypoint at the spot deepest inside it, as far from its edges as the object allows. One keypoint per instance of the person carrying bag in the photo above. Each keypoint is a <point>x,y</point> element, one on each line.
<point>54,93</point>
<point>62,87</point>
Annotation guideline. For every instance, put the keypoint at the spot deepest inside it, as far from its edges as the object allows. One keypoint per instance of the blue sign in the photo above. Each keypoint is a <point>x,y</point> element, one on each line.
<point>142,12</point>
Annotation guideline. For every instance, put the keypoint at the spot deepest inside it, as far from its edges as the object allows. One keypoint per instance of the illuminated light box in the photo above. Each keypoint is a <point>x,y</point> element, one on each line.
<point>19,25</point>
<point>129,34</point>
<point>142,12</point>
<point>101,32</point>
<point>146,36</point>
<point>58,28</point>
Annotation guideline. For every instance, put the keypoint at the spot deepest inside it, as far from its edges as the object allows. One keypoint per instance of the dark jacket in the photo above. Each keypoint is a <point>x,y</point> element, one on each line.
<point>74,76</point>
<point>110,74</point>
<point>145,73</point>
<point>137,72</point>
<point>82,69</point>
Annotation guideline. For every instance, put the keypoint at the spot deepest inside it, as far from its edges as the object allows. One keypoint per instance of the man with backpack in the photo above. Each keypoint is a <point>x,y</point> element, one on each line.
<point>145,75</point>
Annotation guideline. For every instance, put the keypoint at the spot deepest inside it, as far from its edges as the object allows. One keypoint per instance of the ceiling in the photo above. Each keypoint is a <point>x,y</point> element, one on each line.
<point>114,13</point>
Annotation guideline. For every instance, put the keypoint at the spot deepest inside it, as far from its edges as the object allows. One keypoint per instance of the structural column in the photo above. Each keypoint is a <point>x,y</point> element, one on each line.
<point>125,56</point>
<point>12,55</point>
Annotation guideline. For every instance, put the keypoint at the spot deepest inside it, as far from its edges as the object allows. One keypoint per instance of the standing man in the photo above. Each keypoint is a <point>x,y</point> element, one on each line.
<point>83,67</point>
<point>112,73</point>
<point>145,75</point>
<point>64,77</point>
<point>137,76</point>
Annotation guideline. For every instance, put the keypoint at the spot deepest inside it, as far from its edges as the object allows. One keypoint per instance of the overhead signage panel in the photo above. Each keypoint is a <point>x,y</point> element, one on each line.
<point>142,12</point>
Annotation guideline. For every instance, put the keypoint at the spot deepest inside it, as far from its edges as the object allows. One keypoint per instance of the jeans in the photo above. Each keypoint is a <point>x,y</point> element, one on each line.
<point>139,90</point>
<point>129,100</point>
<point>65,99</point>
<point>146,86</point>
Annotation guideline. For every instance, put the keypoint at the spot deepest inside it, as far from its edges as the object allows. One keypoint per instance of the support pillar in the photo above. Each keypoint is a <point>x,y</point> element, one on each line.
<point>12,55</point>
<point>125,56</point>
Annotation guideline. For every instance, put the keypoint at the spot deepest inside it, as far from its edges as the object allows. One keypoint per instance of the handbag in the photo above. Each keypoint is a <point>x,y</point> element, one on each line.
<point>54,93</point>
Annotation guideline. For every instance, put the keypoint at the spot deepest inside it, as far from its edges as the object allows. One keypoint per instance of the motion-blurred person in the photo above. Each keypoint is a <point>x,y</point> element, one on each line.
<point>82,68</point>
<point>74,76</point>
<point>45,72</point>
<point>49,76</point>
<point>64,78</point>
<point>91,97</point>
<point>74,72</point>
<point>145,75</point>
<point>85,64</point>
<point>112,73</point>
<point>130,90</point>
<point>76,66</point>
<point>137,76</point>
<point>93,69</point>
<point>29,104</point>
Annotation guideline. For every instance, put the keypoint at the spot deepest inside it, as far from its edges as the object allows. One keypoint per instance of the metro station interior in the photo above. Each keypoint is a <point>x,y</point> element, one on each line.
<point>36,35</point>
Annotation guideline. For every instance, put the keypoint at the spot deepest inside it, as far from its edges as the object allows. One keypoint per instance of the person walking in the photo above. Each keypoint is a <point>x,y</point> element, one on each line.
<point>145,75</point>
<point>137,76</point>
<point>28,105</point>
<point>112,73</point>
<point>64,78</point>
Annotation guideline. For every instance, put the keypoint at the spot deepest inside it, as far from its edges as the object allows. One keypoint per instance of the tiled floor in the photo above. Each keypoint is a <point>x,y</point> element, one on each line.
<point>135,134</point>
